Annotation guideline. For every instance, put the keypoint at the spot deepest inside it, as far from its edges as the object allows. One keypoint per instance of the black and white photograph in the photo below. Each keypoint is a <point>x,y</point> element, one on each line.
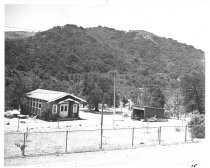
<point>105,83</point>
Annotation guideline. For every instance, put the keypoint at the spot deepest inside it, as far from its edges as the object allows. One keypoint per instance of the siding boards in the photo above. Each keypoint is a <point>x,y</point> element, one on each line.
<point>151,112</point>
<point>46,108</point>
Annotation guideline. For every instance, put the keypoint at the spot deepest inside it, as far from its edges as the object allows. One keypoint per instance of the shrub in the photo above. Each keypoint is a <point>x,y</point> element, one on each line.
<point>197,126</point>
<point>22,148</point>
<point>177,129</point>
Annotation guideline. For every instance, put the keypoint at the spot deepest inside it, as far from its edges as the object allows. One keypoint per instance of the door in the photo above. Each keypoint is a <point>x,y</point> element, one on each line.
<point>64,110</point>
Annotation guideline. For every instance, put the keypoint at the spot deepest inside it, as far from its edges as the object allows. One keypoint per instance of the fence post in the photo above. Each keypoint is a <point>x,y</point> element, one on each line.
<point>102,115</point>
<point>24,139</point>
<point>26,133</point>
<point>66,140</point>
<point>192,133</point>
<point>186,133</point>
<point>24,145</point>
<point>18,124</point>
<point>101,138</point>
<point>132,136</point>
<point>159,135</point>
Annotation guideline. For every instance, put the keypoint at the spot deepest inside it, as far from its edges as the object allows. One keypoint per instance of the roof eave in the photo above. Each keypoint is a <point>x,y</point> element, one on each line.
<point>57,98</point>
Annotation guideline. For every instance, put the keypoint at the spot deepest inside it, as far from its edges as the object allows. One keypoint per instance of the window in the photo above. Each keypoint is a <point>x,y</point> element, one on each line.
<point>36,103</point>
<point>40,104</point>
<point>75,108</point>
<point>33,103</point>
<point>54,109</point>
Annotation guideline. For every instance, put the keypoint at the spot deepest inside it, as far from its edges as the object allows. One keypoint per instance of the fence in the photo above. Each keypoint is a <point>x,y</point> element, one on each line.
<point>42,143</point>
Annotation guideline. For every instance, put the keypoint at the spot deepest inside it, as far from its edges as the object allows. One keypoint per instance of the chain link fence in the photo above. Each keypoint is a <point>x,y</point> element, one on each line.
<point>44,143</point>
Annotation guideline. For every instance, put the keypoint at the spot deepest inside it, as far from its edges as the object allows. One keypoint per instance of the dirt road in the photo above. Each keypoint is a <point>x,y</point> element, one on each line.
<point>173,156</point>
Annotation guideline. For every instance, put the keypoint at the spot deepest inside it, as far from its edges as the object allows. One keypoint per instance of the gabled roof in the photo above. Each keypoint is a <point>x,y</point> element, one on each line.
<point>66,100</point>
<point>49,95</point>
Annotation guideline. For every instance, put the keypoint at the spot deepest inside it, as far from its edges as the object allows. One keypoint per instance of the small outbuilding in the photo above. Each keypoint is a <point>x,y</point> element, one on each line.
<point>143,112</point>
<point>53,105</point>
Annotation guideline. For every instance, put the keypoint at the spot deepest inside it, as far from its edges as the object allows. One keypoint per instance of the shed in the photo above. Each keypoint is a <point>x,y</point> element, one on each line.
<point>143,112</point>
<point>53,105</point>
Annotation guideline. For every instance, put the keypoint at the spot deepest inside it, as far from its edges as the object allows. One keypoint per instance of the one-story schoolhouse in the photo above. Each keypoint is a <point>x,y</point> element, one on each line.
<point>53,105</point>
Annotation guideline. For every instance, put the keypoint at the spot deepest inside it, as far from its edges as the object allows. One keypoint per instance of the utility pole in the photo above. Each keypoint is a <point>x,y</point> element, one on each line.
<point>102,114</point>
<point>145,95</point>
<point>176,109</point>
<point>114,101</point>
<point>177,100</point>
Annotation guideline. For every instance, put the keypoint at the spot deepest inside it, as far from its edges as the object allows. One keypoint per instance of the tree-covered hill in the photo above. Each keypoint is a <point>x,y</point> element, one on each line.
<point>150,53</point>
<point>61,58</point>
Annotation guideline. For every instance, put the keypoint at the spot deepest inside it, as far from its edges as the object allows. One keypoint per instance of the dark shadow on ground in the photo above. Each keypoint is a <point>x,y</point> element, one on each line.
<point>105,112</point>
<point>63,119</point>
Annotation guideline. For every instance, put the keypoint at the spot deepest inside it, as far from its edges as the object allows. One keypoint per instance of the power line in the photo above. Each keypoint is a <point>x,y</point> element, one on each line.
<point>21,28</point>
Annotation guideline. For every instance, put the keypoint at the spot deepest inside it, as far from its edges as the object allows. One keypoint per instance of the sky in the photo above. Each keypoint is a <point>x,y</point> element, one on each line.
<point>184,21</point>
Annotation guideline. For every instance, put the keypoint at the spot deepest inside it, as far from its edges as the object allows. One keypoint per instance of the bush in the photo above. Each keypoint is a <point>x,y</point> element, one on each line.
<point>177,129</point>
<point>197,126</point>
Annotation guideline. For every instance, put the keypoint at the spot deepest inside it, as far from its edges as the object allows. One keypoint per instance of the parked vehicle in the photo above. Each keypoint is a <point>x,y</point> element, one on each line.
<point>21,116</point>
<point>151,119</point>
<point>11,114</point>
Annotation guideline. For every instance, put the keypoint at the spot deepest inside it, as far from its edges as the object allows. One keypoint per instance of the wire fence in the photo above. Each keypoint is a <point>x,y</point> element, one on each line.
<point>57,142</point>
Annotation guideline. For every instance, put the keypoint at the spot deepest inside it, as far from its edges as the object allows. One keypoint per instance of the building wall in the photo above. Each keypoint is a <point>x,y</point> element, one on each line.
<point>151,112</point>
<point>46,108</point>
<point>35,110</point>
<point>147,112</point>
<point>70,110</point>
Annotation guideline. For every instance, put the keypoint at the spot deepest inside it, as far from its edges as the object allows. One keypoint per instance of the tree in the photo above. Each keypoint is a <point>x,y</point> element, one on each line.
<point>96,87</point>
<point>193,88</point>
<point>156,97</point>
<point>197,126</point>
<point>109,99</point>
<point>17,84</point>
<point>124,100</point>
<point>58,58</point>
<point>14,93</point>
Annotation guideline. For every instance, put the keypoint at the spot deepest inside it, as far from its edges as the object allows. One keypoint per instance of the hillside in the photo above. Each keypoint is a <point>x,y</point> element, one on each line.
<point>59,58</point>
<point>152,53</point>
